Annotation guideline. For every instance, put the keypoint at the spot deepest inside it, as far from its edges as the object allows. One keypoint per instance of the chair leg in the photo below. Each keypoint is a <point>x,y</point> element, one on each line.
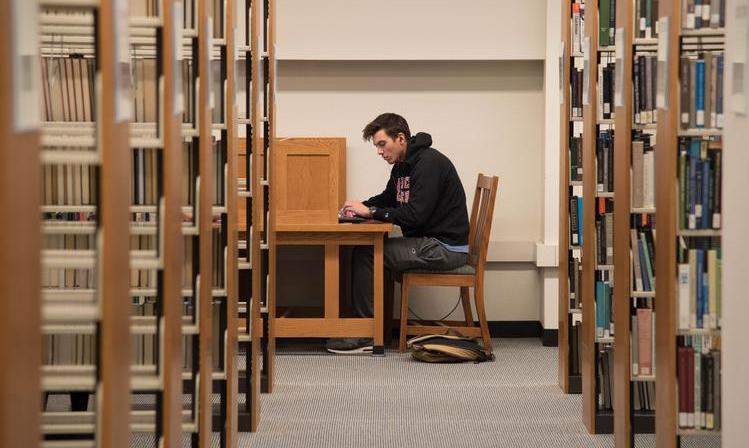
<point>466,299</point>
<point>404,314</point>
<point>478,294</point>
<point>388,296</point>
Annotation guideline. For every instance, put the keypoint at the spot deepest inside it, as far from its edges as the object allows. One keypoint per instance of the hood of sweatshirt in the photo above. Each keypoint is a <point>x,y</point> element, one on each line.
<point>416,144</point>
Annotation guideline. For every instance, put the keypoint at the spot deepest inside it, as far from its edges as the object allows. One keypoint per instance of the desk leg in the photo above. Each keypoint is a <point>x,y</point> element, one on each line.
<point>332,267</point>
<point>379,348</point>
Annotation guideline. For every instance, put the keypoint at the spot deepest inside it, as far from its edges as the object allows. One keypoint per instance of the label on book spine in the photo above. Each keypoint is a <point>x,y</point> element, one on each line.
<point>179,96</point>
<point>619,68</point>
<point>25,62</point>
<point>740,54</point>
<point>661,97</point>
<point>586,70</point>
<point>123,99</point>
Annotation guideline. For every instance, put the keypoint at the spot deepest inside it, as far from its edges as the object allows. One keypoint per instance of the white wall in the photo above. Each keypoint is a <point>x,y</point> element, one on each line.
<point>486,116</point>
<point>471,74</point>
<point>410,30</point>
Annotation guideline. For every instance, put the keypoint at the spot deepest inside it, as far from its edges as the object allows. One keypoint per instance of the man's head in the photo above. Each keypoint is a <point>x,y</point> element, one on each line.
<point>390,134</point>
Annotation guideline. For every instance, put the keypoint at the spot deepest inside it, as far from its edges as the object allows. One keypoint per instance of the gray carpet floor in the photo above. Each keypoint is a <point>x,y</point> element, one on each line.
<point>340,401</point>
<point>323,400</point>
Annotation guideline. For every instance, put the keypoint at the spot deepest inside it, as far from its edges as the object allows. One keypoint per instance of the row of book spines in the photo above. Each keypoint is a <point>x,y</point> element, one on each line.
<point>605,86</point>
<point>699,290</point>
<point>576,159</point>
<point>576,88</point>
<point>643,170</point>
<point>577,25</point>
<point>605,161</point>
<point>574,274</point>
<point>575,349</point>
<point>605,372</point>
<point>699,173</point>
<point>646,18</point>
<point>643,398</point>
<point>605,239</point>
<point>68,349</point>
<point>606,22</point>
<point>644,88</point>
<point>643,259</point>
<point>576,221</point>
<point>69,184</point>
<point>698,14</point>
<point>604,312</point>
<point>698,374</point>
<point>643,341</point>
<point>701,90</point>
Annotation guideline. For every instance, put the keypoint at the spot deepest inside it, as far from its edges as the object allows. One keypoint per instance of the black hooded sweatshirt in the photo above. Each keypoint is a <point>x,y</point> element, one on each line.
<point>424,195</point>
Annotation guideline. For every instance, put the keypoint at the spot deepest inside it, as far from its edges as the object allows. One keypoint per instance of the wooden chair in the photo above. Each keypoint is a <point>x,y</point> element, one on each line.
<point>469,276</point>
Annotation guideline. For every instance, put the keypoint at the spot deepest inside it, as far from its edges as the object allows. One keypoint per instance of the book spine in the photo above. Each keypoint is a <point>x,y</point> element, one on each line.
<point>700,93</point>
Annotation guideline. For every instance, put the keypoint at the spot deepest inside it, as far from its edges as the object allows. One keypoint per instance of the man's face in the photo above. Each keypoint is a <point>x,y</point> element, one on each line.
<point>392,150</point>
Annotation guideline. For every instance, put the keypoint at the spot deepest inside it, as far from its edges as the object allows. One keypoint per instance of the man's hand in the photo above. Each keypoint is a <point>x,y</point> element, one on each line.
<point>355,208</point>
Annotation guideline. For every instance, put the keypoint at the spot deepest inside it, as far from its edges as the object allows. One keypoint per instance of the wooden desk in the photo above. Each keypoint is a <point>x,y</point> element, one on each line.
<point>332,325</point>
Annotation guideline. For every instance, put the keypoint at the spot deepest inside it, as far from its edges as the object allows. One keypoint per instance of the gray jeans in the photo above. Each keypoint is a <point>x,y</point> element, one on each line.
<point>400,254</point>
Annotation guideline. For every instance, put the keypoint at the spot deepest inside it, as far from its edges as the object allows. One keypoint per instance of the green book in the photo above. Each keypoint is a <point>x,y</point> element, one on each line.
<point>604,17</point>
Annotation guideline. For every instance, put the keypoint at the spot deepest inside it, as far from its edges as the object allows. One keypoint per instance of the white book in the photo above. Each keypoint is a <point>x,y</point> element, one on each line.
<point>648,175</point>
<point>684,287</point>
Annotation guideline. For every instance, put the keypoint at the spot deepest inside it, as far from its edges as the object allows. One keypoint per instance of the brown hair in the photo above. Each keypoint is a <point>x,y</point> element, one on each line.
<point>392,124</point>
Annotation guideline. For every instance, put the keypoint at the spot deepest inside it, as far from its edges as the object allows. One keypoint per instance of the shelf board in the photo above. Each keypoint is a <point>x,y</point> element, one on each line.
<point>576,118</point>
<point>643,211</point>
<point>576,183</point>
<point>642,293</point>
<point>703,32</point>
<point>605,194</point>
<point>645,41</point>
<point>576,311</point>
<point>697,432</point>
<point>605,121</point>
<point>605,340</point>
<point>607,48</point>
<point>604,267</point>
<point>645,126</point>
<point>577,54</point>
<point>698,332</point>
<point>699,132</point>
<point>643,378</point>
<point>699,232</point>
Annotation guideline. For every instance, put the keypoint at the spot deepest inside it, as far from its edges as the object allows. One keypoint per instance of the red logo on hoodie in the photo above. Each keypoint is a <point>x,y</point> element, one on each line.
<point>402,187</point>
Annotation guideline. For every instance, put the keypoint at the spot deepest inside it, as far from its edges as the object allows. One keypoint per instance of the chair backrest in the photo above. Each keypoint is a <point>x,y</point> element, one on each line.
<point>482,212</point>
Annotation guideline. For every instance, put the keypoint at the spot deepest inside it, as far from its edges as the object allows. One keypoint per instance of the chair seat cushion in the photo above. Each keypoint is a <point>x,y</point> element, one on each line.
<point>466,269</point>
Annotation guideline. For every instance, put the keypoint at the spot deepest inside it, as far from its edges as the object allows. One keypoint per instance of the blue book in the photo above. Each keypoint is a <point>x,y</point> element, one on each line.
<point>699,289</point>
<point>599,309</point>
<point>693,157</point>
<point>707,214</point>
<point>699,93</point>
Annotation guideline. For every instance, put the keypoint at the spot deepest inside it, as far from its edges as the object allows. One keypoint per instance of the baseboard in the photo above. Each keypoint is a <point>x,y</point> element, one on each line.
<point>515,329</point>
<point>550,338</point>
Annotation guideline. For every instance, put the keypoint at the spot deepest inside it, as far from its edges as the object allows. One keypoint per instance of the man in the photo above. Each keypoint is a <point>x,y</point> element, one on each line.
<point>424,196</point>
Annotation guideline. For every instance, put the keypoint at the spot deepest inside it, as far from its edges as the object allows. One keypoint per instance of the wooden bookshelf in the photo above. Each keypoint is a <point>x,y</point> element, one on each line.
<point>203,286</point>
<point>231,351</point>
<point>568,382</point>
<point>623,435</point>
<point>627,420</point>
<point>266,236</point>
<point>672,238</point>
<point>596,420</point>
<point>20,339</point>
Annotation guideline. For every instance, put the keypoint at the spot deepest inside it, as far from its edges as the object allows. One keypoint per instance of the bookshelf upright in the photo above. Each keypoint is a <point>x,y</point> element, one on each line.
<point>597,203</point>
<point>689,203</point>
<point>20,339</point>
<point>570,190</point>
<point>634,217</point>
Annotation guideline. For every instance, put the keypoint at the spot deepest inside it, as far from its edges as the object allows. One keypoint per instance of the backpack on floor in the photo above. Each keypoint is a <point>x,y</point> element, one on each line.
<point>440,348</point>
